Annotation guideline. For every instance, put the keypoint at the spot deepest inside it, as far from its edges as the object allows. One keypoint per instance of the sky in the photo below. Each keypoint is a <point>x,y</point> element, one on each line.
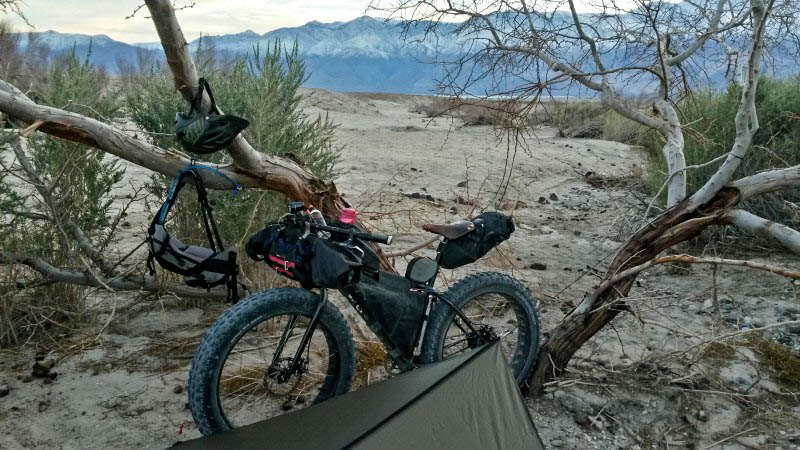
<point>207,16</point>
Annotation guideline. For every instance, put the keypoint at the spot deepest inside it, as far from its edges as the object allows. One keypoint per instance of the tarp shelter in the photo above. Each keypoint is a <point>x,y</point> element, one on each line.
<point>470,401</point>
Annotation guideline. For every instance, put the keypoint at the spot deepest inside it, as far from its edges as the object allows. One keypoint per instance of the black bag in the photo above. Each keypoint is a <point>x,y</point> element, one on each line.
<point>491,228</point>
<point>332,264</point>
<point>370,259</point>
<point>391,302</point>
<point>285,251</point>
<point>202,267</point>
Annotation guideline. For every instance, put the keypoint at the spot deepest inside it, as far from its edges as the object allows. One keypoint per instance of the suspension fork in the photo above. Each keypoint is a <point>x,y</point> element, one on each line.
<point>323,297</point>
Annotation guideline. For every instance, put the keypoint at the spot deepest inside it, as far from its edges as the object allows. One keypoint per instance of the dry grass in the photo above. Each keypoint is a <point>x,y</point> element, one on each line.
<point>244,377</point>
<point>719,351</point>
<point>784,365</point>
<point>369,355</point>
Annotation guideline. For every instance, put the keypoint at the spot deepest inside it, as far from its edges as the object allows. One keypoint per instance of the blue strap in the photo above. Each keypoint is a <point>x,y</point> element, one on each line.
<point>237,187</point>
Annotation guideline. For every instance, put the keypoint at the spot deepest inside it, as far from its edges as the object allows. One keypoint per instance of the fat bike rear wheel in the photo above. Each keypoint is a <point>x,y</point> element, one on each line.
<point>499,307</point>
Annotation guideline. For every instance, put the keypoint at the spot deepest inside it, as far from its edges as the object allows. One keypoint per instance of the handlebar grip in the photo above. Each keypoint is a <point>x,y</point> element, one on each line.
<point>381,238</point>
<point>372,237</point>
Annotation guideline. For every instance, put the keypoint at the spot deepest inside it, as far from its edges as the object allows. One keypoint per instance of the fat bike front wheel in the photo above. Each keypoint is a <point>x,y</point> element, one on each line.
<point>246,370</point>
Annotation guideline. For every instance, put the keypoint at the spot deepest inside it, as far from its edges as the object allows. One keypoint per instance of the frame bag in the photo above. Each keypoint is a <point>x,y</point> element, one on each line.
<point>395,303</point>
<point>491,228</point>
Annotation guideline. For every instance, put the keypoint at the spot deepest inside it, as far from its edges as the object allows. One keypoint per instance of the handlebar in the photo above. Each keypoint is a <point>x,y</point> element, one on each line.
<point>372,237</point>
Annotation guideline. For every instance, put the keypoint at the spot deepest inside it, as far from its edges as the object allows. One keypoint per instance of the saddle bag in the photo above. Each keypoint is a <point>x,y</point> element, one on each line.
<point>491,228</point>
<point>390,300</point>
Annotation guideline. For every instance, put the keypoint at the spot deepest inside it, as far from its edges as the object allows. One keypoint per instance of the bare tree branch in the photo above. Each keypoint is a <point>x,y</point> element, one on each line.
<point>782,234</point>
<point>73,276</point>
<point>768,181</point>
<point>746,118</point>
<point>179,59</point>
<point>77,128</point>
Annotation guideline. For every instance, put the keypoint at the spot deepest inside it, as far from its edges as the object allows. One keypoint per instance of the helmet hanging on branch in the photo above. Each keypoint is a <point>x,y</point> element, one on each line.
<point>201,133</point>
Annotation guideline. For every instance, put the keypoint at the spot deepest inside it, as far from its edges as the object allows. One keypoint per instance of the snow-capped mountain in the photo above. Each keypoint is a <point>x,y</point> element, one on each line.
<point>364,54</point>
<point>364,37</point>
<point>104,50</point>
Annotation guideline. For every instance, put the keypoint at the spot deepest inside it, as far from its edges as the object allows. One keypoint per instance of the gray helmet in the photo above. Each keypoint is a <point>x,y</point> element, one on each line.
<point>206,133</point>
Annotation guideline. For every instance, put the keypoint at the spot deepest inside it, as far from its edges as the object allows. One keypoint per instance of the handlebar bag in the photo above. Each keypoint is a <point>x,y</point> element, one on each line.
<point>332,264</point>
<point>491,228</point>
<point>370,259</point>
<point>284,251</point>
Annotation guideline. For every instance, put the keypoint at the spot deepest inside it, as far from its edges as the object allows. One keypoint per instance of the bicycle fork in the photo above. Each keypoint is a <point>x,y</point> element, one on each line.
<point>298,356</point>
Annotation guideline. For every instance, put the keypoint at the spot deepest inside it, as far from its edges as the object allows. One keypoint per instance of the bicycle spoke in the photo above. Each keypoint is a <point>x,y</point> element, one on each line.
<point>247,394</point>
<point>492,312</point>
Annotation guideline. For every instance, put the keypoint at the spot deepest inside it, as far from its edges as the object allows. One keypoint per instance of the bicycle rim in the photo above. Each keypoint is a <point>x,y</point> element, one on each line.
<point>253,383</point>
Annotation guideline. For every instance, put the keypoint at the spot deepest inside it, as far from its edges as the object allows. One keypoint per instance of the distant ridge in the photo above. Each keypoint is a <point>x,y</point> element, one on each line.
<point>362,55</point>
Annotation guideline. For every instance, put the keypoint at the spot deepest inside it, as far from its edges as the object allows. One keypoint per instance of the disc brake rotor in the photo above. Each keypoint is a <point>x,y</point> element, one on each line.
<point>280,379</point>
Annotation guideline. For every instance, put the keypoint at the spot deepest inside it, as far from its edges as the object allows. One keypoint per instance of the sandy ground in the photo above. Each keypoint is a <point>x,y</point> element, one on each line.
<point>125,386</point>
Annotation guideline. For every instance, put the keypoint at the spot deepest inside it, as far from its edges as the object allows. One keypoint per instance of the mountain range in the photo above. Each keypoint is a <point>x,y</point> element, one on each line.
<point>364,54</point>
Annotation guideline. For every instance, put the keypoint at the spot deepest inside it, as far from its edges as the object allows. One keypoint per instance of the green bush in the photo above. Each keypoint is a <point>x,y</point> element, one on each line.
<point>81,177</point>
<point>591,119</point>
<point>264,89</point>
<point>81,180</point>
<point>709,117</point>
<point>570,114</point>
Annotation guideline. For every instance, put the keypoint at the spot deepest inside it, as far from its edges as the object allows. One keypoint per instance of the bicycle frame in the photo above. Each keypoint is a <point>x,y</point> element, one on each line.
<point>403,361</point>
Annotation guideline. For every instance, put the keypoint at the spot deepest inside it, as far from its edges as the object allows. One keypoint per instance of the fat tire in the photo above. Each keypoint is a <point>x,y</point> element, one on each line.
<point>483,283</point>
<point>220,339</point>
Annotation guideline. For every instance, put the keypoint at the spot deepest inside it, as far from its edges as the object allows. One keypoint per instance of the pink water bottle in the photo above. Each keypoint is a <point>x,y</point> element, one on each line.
<point>348,216</point>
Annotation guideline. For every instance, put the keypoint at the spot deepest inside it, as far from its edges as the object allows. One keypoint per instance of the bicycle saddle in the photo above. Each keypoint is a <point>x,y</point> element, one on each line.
<point>453,231</point>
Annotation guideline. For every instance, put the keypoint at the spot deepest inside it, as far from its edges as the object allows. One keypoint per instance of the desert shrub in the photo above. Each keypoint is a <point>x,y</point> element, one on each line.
<point>264,89</point>
<point>783,365</point>
<point>473,112</point>
<point>81,180</point>
<point>576,113</point>
<point>434,107</point>
<point>711,131</point>
<point>591,119</point>
<point>620,129</point>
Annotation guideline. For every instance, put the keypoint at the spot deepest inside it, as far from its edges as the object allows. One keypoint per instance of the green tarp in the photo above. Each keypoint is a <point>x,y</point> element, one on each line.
<point>470,401</point>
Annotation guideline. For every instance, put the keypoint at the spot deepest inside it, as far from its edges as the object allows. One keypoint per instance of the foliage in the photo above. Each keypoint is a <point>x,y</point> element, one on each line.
<point>264,89</point>
<point>711,131</point>
<point>784,365</point>
<point>592,119</point>
<point>80,179</point>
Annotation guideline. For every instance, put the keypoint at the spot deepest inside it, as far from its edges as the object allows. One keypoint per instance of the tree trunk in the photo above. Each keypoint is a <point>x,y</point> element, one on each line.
<point>676,225</point>
<point>673,153</point>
